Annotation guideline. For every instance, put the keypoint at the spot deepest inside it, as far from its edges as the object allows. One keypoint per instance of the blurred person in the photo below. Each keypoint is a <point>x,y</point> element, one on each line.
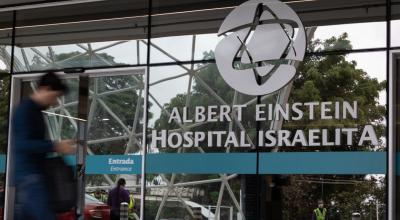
<point>31,149</point>
<point>320,213</point>
<point>116,196</point>
<point>98,194</point>
<point>2,194</point>
<point>105,195</point>
<point>131,207</point>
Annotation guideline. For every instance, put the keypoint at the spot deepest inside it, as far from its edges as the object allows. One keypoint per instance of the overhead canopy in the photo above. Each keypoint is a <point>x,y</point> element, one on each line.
<point>127,19</point>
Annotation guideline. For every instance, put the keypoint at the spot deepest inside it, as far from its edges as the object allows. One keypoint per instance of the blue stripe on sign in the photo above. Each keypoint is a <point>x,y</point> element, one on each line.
<point>241,163</point>
<point>199,163</point>
<point>2,163</point>
<point>323,163</point>
<point>270,163</point>
<point>398,164</point>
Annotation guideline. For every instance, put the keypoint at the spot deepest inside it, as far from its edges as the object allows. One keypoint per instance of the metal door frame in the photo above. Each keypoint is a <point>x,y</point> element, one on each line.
<point>392,105</point>
<point>16,83</point>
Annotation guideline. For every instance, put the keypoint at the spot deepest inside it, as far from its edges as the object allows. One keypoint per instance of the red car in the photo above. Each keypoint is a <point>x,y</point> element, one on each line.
<point>94,210</point>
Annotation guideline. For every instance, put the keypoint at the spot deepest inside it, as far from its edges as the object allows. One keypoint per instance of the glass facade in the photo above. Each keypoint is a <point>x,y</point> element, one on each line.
<point>5,80</point>
<point>153,72</point>
<point>396,69</point>
<point>395,23</point>
<point>360,36</point>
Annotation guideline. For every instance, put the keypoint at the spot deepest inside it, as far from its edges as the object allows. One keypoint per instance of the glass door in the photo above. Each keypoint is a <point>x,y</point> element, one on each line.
<point>394,140</point>
<point>115,132</point>
<point>114,124</point>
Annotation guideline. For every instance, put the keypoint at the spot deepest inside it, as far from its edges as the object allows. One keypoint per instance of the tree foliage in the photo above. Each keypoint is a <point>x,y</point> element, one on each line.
<point>333,78</point>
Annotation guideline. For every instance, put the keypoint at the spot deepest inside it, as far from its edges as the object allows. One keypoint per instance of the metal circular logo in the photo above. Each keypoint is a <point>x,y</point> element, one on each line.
<point>263,40</point>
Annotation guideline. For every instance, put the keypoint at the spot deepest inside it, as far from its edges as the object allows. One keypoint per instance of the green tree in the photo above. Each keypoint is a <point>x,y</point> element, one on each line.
<point>333,78</point>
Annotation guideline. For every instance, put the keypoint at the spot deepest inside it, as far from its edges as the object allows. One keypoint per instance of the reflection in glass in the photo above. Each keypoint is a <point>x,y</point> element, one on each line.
<point>183,48</point>
<point>395,33</point>
<point>361,36</point>
<point>168,198</point>
<point>115,114</point>
<point>115,126</point>
<point>338,78</point>
<point>343,195</point>
<point>87,35</point>
<point>5,41</point>
<point>180,47</point>
<point>320,78</point>
<point>196,85</point>
<point>396,72</point>
<point>112,53</point>
<point>4,105</point>
<point>114,121</point>
<point>5,58</point>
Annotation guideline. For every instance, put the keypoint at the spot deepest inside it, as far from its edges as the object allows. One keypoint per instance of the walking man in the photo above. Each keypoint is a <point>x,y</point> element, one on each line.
<point>31,148</point>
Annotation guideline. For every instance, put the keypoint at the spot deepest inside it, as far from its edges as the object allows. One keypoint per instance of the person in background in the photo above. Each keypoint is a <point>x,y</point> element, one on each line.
<point>320,213</point>
<point>131,207</point>
<point>116,196</point>
<point>2,196</point>
<point>98,194</point>
<point>31,148</point>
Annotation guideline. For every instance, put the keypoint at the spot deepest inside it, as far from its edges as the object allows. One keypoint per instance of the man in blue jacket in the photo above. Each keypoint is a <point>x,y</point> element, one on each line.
<point>31,148</point>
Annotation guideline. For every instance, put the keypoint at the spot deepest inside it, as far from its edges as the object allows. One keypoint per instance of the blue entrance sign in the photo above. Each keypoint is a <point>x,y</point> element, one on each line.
<point>111,164</point>
<point>114,164</point>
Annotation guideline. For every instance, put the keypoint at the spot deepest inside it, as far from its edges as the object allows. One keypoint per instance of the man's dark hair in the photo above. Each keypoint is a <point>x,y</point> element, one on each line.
<point>51,80</point>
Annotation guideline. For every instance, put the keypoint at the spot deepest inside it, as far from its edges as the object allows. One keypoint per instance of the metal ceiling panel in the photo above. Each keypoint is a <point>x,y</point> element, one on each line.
<point>8,3</point>
<point>126,19</point>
